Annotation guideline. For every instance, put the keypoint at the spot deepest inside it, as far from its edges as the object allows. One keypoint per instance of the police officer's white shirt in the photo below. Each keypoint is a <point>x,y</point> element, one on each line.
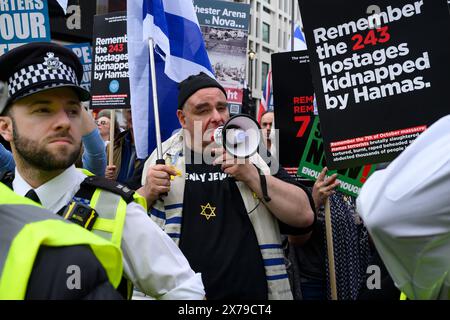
<point>152,261</point>
<point>406,208</point>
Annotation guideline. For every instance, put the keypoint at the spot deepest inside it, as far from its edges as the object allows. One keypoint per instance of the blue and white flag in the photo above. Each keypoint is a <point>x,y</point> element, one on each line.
<point>299,40</point>
<point>179,52</point>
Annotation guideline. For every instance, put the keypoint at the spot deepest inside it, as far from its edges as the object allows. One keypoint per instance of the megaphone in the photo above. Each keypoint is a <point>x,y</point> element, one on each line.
<point>3,95</point>
<point>240,136</point>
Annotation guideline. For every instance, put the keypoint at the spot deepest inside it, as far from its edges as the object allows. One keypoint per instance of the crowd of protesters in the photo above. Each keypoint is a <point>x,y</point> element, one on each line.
<point>188,229</point>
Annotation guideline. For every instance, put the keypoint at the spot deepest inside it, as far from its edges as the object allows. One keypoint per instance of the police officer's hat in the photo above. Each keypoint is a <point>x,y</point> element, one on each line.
<point>40,66</point>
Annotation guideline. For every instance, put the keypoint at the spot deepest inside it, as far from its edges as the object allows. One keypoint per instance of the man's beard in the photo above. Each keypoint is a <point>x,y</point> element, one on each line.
<point>40,158</point>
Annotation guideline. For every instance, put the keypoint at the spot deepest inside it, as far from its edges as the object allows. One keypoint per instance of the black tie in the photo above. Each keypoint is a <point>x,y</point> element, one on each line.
<point>31,194</point>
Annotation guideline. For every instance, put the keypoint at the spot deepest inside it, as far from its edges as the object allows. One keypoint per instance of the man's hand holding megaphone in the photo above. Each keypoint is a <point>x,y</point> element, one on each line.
<point>239,168</point>
<point>240,138</point>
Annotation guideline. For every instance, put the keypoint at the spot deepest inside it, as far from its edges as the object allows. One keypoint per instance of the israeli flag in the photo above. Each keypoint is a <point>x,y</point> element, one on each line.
<point>179,52</point>
<point>299,39</point>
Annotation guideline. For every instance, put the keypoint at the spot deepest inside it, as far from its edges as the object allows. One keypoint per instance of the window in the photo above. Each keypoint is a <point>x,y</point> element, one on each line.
<point>266,10</point>
<point>266,32</point>
<point>252,12</point>
<point>265,49</point>
<point>279,37</point>
<point>264,72</point>
<point>257,28</point>
<point>256,74</point>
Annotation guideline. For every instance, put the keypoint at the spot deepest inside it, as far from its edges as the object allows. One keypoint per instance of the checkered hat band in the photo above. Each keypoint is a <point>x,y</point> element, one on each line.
<point>40,73</point>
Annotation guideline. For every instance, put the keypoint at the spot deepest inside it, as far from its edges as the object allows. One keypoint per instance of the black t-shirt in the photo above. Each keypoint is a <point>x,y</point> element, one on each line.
<point>217,236</point>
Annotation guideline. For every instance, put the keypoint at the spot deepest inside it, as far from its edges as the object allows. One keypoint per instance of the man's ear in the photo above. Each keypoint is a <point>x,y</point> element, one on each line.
<point>181,118</point>
<point>6,128</point>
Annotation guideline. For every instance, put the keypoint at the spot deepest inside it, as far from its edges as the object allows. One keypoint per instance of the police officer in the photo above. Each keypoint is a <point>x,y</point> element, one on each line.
<point>44,257</point>
<point>41,121</point>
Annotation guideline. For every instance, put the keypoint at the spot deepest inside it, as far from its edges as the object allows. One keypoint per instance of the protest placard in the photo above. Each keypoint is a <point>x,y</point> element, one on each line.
<point>83,52</point>
<point>225,31</point>
<point>380,74</point>
<point>110,87</point>
<point>22,22</point>
<point>76,24</point>
<point>313,161</point>
<point>293,96</point>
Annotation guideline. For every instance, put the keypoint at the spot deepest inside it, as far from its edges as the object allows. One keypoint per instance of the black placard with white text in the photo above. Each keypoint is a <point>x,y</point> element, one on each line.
<point>74,25</point>
<point>293,100</point>
<point>110,86</point>
<point>380,73</point>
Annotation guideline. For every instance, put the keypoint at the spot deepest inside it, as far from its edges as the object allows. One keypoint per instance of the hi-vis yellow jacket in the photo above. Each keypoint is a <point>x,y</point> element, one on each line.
<point>25,227</point>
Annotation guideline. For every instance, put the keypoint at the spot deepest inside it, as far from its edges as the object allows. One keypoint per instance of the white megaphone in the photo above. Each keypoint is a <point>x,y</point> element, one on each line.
<point>3,95</point>
<point>240,136</point>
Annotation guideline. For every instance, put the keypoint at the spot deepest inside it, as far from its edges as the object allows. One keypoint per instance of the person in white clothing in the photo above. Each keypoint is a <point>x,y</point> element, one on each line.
<point>406,208</point>
<point>42,121</point>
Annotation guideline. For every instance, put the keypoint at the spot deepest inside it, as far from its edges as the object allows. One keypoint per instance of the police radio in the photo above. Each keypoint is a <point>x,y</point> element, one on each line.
<point>80,214</point>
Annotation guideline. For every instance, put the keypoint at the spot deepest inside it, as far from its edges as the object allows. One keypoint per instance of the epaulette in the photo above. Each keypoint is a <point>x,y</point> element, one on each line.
<point>7,178</point>
<point>90,183</point>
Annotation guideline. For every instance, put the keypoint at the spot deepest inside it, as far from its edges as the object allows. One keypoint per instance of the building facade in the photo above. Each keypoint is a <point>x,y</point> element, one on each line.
<point>270,32</point>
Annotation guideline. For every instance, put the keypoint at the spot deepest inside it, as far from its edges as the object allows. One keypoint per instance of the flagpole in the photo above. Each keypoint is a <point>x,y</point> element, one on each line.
<point>112,125</point>
<point>102,7</point>
<point>160,159</point>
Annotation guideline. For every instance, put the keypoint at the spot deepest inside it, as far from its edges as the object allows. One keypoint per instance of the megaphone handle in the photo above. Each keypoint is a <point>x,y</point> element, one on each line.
<point>161,161</point>
<point>263,181</point>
